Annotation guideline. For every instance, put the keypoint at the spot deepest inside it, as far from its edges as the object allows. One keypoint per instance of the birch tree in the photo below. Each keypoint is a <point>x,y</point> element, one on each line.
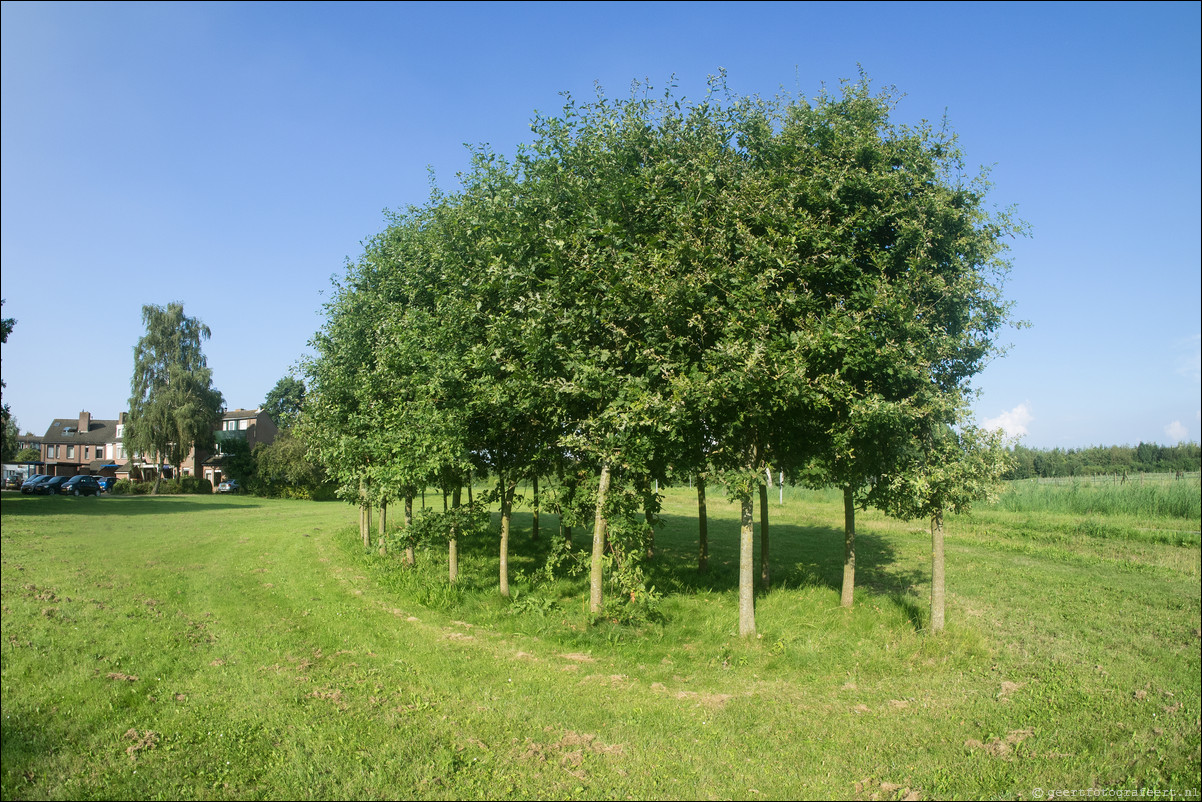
<point>173,406</point>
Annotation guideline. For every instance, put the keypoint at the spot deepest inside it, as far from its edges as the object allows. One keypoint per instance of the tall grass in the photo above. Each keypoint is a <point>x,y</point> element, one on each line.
<point>1180,499</point>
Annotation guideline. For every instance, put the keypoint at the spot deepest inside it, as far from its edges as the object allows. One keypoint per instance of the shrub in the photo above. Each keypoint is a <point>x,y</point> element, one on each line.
<point>122,487</point>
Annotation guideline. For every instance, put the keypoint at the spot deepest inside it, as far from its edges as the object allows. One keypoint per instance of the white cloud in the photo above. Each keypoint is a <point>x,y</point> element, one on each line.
<point>1176,432</point>
<point>1013,422</point>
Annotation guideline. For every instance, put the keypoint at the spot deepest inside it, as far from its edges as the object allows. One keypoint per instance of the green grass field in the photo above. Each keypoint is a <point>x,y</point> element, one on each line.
<point>232,648</point>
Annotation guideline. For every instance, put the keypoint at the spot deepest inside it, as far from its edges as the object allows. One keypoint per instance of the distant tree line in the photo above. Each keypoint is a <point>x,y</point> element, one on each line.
<point>1028,463</point>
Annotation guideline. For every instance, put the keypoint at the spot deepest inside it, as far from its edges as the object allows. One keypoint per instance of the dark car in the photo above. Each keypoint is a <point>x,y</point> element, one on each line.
<point>49,486</point>
<point>28,485</point>
<point>12,482</point>
<point>81,485</point>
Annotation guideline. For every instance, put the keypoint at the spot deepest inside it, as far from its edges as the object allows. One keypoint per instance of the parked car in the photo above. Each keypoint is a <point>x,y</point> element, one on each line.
<point>13,482</point>
<point>228,486</point>
<point>29,484</point>
<point>81,485</point>
<point>106,483</point>
<point>49,486</point>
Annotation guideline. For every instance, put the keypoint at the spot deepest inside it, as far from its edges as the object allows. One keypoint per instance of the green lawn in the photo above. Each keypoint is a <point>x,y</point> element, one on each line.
<point>234,647</point>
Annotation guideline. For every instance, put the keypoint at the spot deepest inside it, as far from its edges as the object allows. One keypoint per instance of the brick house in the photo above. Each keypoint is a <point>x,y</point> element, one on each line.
<point>90,445</point>
<point>83,445</point>
<point>252,425</point>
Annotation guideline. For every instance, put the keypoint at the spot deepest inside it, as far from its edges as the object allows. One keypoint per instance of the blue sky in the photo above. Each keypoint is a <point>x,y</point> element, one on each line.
<point>234,156</point>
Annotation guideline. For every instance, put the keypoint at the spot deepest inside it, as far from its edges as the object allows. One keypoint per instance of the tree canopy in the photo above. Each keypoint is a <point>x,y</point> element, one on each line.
<point>284,401</point>
<point>173,406</point>
<point>657,288</point>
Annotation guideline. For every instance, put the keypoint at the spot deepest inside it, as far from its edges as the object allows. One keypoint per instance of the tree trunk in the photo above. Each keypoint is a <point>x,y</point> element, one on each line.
<point>938,585</point>
<point>409,556</point>
<point>565,531</point>
<point>649,518</point>
<point>506,516</point>
<point>849,547</point>
<point>453,546</point>
<point>764,577</point>
<point>383,524</point>
<point>746,569</point>
<point>703,531</point>
<point>595,564</point>
<point>534,517</point>
<point>470,480</point>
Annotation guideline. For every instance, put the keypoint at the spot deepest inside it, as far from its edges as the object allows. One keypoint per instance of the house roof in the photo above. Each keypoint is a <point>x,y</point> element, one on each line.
<point>66,430</point>
<point>238,414</point>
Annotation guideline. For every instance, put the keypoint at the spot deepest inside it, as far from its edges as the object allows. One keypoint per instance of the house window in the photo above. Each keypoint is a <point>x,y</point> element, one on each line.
<point>120,431</point>
<point>230,425</point>
<point>99,452</point>
<point>118,450</point>
<point>70,452</point>
<point>242,424</point>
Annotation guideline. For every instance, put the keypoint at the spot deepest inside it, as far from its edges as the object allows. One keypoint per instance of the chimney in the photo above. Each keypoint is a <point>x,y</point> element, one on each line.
<point>85,420</point>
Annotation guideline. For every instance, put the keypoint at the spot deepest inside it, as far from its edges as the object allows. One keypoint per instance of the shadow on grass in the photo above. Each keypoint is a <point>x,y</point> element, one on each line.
<point>101,506</point>
<point>801,556</point>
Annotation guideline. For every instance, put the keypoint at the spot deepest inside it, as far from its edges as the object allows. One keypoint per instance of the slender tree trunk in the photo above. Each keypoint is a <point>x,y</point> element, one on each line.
<point>565,532</point>
<point>568,503</point>
<point>746,569</point>
<point>938,584</point>
<point>764,576</point>
<point>364,535</point>
<point>366,525</point>
<point>506,516</point>
<point>594,597</point>
<point>158,473</point>
<point>409,555</point>
<point>453,546</point>
<point>534,517</point>
<point>703,529</point>
<point>649,518</point>
<point>849,547</point>
<point>470,480</point>
<point>383,525</point>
